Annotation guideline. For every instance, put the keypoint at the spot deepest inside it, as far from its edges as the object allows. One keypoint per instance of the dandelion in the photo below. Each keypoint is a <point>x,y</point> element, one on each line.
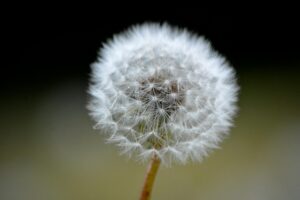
<point>164,94</point>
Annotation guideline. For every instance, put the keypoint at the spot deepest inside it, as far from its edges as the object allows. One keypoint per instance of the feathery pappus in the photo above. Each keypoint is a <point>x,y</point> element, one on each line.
<point>157,89</point>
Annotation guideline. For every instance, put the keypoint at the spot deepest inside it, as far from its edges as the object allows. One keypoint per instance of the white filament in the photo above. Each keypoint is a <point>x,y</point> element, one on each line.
<point>159,89</point>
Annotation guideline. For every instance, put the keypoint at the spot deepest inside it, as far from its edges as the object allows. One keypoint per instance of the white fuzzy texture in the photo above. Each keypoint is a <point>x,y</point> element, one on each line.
<point>161,90</point>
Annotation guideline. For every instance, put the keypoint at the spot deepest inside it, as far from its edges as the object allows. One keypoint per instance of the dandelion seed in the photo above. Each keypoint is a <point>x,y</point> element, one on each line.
<point>168,88</point>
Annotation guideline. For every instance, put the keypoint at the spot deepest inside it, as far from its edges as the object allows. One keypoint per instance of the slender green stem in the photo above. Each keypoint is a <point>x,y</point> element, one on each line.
<point>150,177</point>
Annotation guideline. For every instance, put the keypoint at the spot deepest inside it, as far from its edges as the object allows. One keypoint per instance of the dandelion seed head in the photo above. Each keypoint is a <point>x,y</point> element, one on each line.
<point>159,89</point>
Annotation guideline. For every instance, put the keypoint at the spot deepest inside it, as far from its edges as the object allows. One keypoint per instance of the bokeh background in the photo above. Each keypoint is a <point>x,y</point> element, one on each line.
<point>49,150</point>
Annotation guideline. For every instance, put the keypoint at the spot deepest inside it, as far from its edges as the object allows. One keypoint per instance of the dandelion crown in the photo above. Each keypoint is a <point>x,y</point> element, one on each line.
<point>161,90</point>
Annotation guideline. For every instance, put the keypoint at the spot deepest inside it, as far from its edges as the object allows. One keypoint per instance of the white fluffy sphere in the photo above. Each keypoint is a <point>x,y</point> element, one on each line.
<point>156,89</point>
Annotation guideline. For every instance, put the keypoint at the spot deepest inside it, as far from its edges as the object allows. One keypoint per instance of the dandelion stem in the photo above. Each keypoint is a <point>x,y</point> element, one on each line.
<point>150,177</point>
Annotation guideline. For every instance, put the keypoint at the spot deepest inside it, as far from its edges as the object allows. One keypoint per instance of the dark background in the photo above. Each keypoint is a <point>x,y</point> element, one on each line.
<point>49,150</point>
<point>42,49</point>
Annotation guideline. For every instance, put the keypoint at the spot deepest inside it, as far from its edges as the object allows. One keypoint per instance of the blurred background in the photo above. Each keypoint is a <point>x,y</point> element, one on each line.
<point>49,150</point>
